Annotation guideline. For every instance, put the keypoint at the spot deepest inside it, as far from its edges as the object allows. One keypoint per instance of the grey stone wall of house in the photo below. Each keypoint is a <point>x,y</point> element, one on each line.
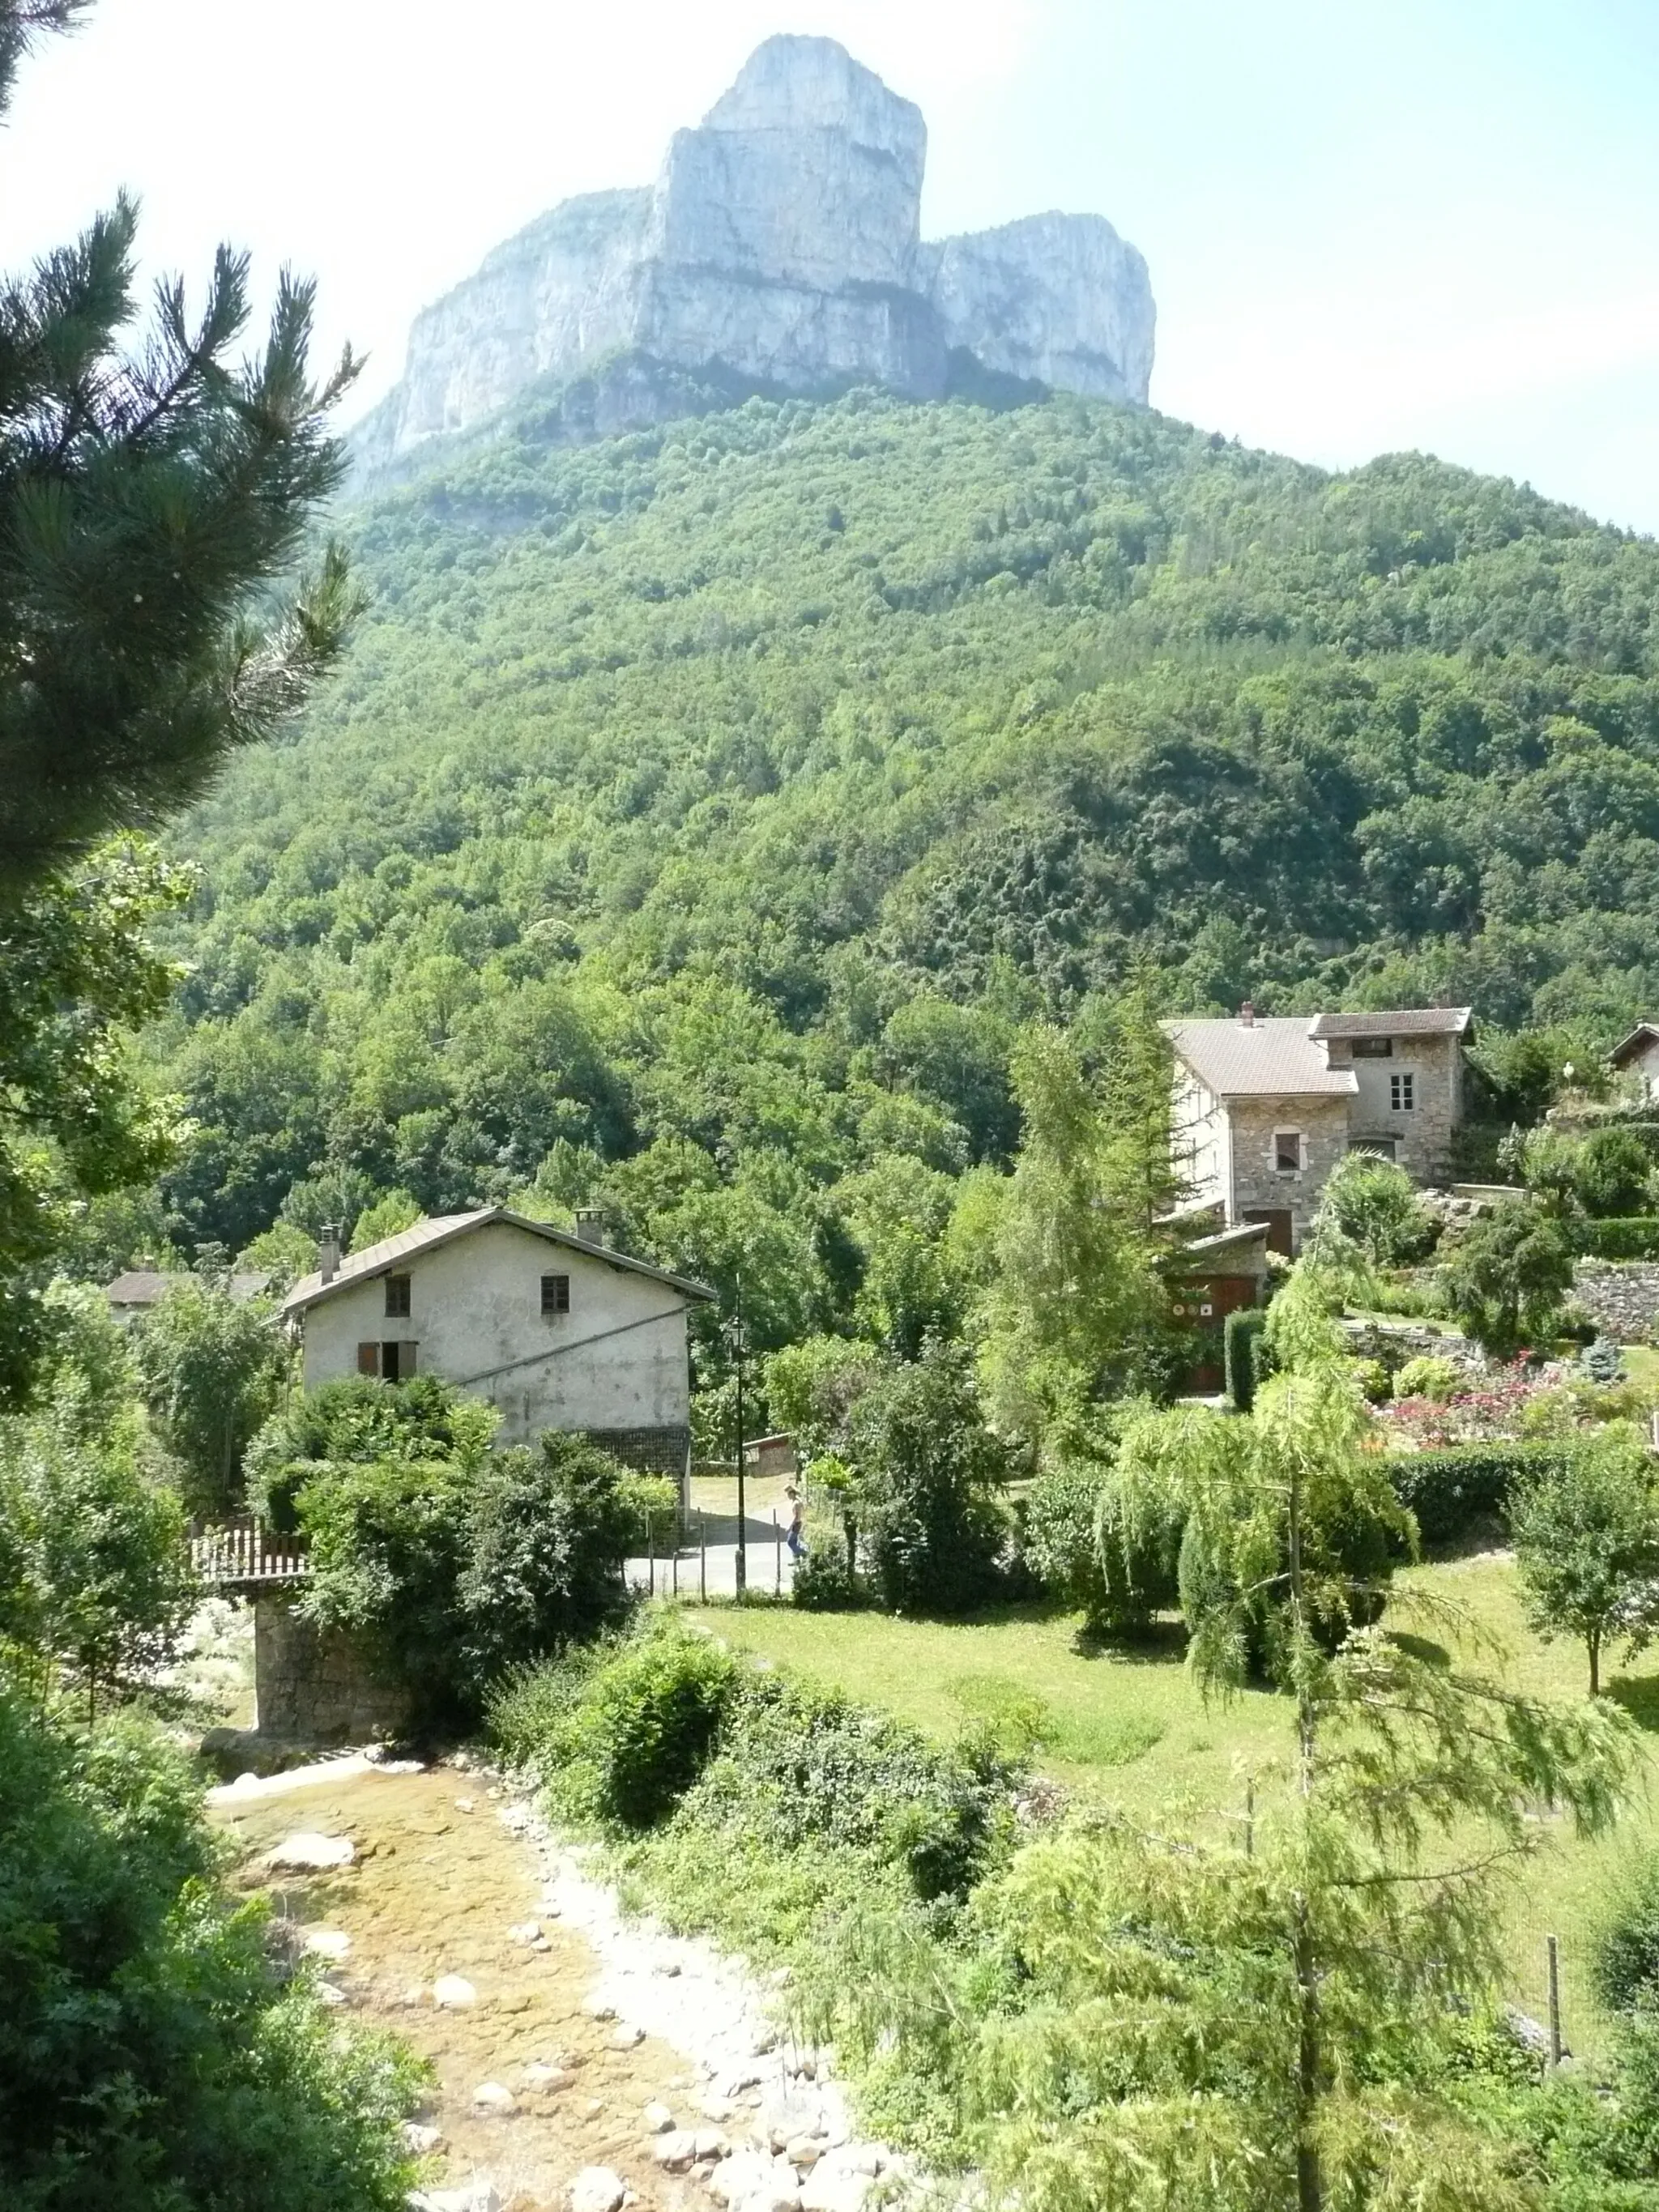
<point>314,1685</point>
<point>1621,1296</point>
<point>648,1450</point>
<point>1422,1134</point>
<point>1258,1183</point>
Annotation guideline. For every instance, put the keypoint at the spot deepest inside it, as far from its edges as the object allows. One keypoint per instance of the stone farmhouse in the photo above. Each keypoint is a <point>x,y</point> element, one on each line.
<point>1265,1108</point>
<point>554,1329</point>
<point>1636,1057</point>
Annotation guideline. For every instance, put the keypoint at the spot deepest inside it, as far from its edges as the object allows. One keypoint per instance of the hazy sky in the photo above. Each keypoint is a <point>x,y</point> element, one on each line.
<point>1371,223</point>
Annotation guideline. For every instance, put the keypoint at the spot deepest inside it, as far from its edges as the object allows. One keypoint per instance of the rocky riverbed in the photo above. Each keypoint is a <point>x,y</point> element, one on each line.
<point>582,2061</point>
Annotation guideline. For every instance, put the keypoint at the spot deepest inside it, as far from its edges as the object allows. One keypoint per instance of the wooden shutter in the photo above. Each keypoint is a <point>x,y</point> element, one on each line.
<point>368,1358</point>
<point>405,1362</point>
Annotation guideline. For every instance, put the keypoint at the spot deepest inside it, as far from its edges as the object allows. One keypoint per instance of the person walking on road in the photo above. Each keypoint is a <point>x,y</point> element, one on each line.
<point>795,1534</point>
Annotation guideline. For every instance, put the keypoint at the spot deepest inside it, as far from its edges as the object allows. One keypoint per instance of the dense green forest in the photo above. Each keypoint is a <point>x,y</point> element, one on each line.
<point>699,814</point>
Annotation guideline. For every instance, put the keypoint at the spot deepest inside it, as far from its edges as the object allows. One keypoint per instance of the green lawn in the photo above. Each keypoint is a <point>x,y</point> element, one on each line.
<point>1130,1728</point>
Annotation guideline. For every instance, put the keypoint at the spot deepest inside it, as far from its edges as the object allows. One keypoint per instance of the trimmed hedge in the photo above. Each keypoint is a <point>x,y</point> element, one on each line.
<point>1622,1236</point>
<point>1243,1354</point>
<point>1451,1489</point>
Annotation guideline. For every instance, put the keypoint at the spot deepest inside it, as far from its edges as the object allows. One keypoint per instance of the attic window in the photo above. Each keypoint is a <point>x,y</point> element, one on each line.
<point>1402,1093</point>
<point>555,1294</point>
<point>397,1297</point>
<point>1373,1048</point>
<point>1287,1152</point>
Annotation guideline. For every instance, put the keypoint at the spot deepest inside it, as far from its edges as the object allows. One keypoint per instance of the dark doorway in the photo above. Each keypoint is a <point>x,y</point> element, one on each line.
<point>1278,1219</point>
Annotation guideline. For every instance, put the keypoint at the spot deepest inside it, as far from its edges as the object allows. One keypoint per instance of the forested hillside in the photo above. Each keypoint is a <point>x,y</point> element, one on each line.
<point>700,812</point>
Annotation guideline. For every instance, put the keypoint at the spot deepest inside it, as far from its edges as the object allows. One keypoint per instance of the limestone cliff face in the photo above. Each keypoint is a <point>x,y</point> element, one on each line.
<point>780,246</point>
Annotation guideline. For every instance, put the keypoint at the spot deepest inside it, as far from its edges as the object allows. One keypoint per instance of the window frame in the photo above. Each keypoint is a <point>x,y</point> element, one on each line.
<point>1371,1047</point>
<point>400,1296</point>
<point>1298,1138</point>
<point>556,1296</point>
<point>1402,1091</point>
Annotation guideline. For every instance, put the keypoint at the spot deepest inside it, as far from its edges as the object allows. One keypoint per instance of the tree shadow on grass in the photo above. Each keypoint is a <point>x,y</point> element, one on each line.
<point>1163,1643</point>
<point>1423,1648</point>
<point>1639,1696</point>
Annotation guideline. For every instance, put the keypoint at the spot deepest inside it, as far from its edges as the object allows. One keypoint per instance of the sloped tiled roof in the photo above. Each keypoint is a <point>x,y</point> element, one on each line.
<point>148,1286</point>
<point>1400,1021</point>
<point>1272,1057</point>
<point>379,1259</point>
<point>1644,1033</point>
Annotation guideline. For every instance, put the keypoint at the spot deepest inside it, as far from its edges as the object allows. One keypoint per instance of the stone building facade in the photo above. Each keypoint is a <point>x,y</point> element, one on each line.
<point>1264,1109</point>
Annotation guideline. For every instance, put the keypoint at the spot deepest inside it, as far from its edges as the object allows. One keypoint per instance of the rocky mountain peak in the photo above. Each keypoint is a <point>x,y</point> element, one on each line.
<point>779,250</point>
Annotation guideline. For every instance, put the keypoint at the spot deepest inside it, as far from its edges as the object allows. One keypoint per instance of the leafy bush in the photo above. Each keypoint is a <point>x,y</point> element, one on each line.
<point>1451,1489</point>
<point>357,1420</point>
<point>1245,1355</point>
<point>546,1531</point>
<point>1632,1237</point>
<point>452,1571</point>
<point>1375,1206</point>
<point>1612,1175</point>
<point>640,1726</point>
<point>154,2057</point>
<point>1506,1279</point>
<point>1073,1547</point>
<point>651,1504</point>
<point>1625,1962</point>
<point>927,1468</point>
<point>1429,1375</point>
<point>750,1760</point>
<point>94,1579</point>
<point>1372,1376</point>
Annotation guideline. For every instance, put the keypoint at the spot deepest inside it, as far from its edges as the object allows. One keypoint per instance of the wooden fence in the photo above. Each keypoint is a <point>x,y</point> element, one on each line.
<point>244,1553</point>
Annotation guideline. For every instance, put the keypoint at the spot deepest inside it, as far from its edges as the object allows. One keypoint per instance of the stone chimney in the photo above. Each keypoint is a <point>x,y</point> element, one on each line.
<point>1247,1016</point>
<point>328,1251</point>
<point>590,1225</point>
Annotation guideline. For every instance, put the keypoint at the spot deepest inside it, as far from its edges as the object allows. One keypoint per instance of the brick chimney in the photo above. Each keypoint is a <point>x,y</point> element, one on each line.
<point>590,1225</point>
<point>328,1251</point>
<point>1247,1016</point>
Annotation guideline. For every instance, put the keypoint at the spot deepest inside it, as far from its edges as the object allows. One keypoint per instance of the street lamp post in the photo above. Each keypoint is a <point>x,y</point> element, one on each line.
<point>734,1338</point>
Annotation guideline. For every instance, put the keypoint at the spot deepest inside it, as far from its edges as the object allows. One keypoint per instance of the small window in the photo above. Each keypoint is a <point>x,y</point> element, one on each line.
<point>368,1358</point>
<point>1402,1093</point>
<point>397,1297</point>
<point>1287,1151</point>
<point>555,1294</point>
<point>1373,1048</point>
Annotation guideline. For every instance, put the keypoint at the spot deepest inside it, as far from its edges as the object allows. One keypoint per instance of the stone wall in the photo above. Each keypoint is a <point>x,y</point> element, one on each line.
<point>1621,1296</point>
<point>313,1686</point>
<point>1422,1135</point>
<point>1258,1184</point>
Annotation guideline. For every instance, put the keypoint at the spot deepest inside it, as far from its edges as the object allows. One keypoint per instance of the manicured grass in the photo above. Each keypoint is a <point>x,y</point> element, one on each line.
<point>1130,1728</point>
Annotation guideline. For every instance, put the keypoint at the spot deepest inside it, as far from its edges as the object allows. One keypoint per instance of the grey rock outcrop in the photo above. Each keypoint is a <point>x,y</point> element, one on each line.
<point>780,249</point>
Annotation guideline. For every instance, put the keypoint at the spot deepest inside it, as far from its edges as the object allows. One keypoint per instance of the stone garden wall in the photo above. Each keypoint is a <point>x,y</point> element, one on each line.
<point>1621,1296</point>
<point>312,1685</point>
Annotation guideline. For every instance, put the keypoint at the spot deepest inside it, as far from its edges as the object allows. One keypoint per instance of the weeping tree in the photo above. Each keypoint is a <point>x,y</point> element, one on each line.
<point>1263,2015</point>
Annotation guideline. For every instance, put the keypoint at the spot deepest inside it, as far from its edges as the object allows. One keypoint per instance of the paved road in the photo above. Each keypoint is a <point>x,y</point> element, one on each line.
<point>711,1565</point>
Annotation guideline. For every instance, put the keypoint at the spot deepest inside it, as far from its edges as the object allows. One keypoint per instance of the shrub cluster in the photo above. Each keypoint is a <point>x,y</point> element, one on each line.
<point>154,2055</point>
<point>454,1566</point>
<point>1621,1237</point>
<point>1244,1354</point>
<point>667,1730</point>
<point>1451,1489</point>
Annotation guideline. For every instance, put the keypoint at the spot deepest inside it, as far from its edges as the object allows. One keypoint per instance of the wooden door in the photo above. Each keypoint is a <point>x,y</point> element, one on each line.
<point>1278,1219</point>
